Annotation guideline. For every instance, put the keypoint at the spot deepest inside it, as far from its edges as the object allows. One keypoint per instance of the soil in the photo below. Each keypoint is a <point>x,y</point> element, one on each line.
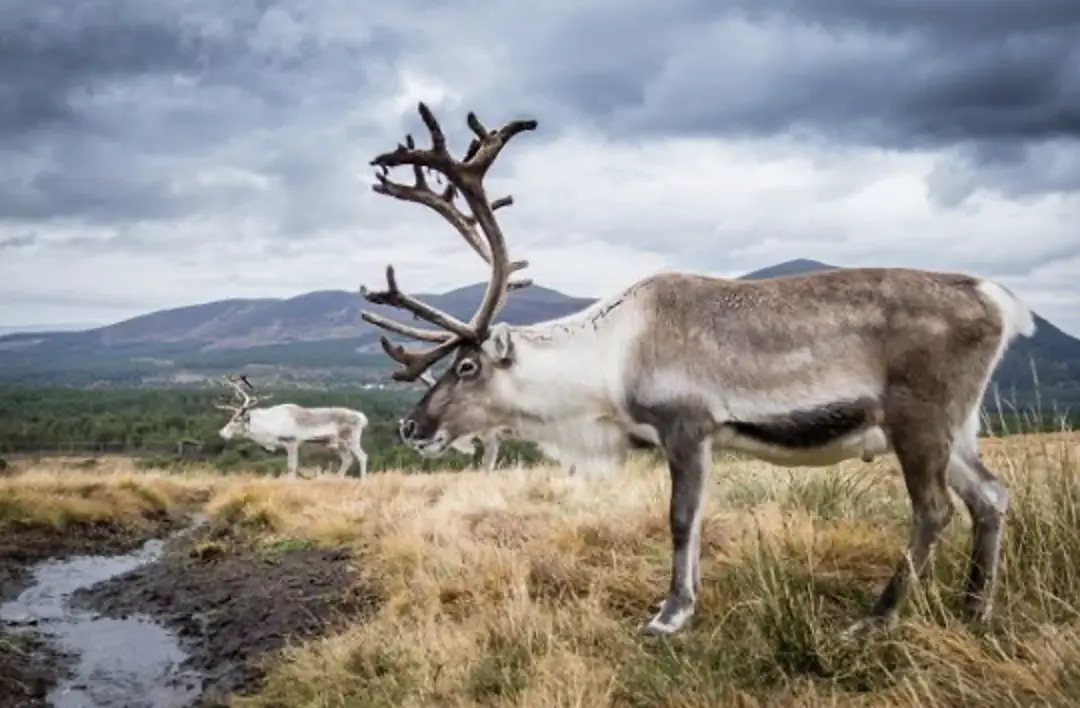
<point>234,610</point>
<point>28,668</point>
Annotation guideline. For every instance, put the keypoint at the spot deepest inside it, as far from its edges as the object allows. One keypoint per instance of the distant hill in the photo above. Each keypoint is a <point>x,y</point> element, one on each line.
<point>318,338</point>
<point>54,327</point>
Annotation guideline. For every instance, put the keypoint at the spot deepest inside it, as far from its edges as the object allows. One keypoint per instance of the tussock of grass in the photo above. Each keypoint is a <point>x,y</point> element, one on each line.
<point>526,588</point>
<point>55,496</point>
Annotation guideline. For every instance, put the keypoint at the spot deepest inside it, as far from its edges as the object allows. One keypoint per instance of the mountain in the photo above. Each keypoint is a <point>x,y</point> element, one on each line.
<point>318,338</point>
<point>795,267</point>
<point>55,327</point>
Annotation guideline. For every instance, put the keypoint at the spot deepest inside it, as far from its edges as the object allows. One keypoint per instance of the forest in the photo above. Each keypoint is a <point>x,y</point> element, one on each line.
<point>172,426</point>
<point>168,427</point>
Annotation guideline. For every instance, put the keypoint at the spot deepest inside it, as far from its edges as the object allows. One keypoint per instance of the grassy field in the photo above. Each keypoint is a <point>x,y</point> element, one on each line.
<point>526,588</point>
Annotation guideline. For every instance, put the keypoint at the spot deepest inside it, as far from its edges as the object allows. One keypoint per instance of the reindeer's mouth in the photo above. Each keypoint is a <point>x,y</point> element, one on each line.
<point>434,446</point>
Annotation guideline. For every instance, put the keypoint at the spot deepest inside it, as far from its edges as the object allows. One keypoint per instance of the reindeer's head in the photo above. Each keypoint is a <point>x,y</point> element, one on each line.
<point>465,398</point>
<point>239,424</point>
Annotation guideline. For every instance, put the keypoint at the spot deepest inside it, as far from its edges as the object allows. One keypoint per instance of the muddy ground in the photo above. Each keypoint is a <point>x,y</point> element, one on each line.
<point>29,666</point>
<point>233,608</point>
<point>22,548</point>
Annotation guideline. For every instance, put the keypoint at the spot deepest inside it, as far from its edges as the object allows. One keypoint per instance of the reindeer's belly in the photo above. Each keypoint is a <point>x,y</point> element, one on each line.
<point>818,436</point>
<point>866,444</point>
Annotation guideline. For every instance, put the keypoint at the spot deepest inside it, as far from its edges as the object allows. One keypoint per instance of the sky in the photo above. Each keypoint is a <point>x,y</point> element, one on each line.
<point>159,154</point>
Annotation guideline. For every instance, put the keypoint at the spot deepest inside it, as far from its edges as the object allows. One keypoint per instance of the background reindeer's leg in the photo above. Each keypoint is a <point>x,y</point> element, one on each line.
<point>361,457</point>
<point>346,460</point>
<point>921,439</point>
<point>491,454</point>
<point>479,450</point>
<point>292,456</point>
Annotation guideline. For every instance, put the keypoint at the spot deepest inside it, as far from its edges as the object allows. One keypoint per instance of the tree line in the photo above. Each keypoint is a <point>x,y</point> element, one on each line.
<point>172,426</point>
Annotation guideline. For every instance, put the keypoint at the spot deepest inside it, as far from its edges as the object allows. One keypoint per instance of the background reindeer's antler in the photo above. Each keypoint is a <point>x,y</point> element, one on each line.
<point>466,177</point>
<point>245,400</point>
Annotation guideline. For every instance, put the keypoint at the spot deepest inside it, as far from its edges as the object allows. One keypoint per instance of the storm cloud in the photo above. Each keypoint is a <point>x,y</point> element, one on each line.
<point>207,149</point>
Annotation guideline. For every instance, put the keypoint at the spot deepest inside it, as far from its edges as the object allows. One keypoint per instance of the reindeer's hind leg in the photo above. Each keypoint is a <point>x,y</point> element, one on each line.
<point>921,438</point>
<point>987,501</point>
<point>361,456</point>
<point>346,460</point>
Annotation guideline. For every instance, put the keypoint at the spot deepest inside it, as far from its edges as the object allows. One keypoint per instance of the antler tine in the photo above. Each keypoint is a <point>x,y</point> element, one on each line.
<point>424,335</point>
<point>225,405</point>
<point>416,363</point>
<point>487,145</point>
<point>393,297</point>
<point>245,399</point>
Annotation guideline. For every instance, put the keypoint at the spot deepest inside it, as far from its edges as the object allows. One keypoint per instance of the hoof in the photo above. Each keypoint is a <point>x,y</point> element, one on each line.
<point>672,616</point>
<point>865,628</point>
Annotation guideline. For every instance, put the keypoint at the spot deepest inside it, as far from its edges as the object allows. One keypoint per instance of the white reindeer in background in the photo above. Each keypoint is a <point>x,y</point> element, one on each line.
<point>804,370</point>
<point>288,425</point>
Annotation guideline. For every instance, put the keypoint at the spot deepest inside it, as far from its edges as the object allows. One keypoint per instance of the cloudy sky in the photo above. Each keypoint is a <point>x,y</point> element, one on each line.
<point>157,154</point>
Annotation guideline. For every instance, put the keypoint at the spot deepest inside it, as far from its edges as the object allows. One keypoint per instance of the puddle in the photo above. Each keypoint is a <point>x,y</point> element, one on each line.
<point>128,663</point>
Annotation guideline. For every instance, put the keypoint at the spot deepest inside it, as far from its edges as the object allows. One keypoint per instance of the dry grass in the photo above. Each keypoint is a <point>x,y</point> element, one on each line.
<point>526,588</point>
<point>64,494</point>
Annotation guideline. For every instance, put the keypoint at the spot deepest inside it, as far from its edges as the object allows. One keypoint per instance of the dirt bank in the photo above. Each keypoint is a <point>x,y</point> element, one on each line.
<point>235,609</point>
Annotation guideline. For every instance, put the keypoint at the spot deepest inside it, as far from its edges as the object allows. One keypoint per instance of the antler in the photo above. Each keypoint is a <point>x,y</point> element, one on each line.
<point>246,401</point>
<point>466,177</point>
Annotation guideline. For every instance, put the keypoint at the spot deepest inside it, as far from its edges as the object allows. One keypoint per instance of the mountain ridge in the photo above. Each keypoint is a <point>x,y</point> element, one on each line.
<point>319,336</point>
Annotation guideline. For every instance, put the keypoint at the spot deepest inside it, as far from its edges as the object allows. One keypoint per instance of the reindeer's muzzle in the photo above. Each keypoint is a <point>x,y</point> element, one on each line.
<point>423,436</point>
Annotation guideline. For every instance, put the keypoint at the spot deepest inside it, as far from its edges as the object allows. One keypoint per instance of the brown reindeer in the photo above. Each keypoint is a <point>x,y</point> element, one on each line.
<point>806,370</point>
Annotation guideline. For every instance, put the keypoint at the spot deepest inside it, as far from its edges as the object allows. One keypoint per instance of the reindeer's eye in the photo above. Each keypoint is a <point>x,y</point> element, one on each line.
<point>467,368</point>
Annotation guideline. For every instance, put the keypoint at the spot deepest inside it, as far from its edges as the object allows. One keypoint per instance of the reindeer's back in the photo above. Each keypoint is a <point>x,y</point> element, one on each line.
<point>332,414</point>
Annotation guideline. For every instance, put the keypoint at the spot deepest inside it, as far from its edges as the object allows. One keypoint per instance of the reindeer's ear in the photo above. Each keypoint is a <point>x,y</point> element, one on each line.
<point>499,346</point>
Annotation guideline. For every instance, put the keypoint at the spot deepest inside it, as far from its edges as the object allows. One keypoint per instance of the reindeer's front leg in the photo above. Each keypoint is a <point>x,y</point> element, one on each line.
<point>292,452</point>
<point>491,454</point>
<point>690,463</point>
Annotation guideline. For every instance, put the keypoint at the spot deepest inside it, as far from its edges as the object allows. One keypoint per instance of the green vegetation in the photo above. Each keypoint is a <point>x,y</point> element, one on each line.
<point>173,426</point>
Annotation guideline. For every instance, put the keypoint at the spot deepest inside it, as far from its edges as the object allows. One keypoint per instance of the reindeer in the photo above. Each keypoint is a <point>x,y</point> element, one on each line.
<point>491,441</point>
<point>287,425</point>
<point>800,371</point>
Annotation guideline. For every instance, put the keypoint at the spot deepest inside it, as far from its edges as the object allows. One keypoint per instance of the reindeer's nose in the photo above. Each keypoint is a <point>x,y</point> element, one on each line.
<point>407,428</point>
